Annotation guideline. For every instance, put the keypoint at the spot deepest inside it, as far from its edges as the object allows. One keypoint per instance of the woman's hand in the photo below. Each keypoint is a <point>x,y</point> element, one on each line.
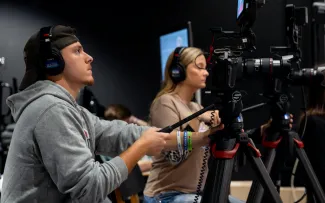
<point>210,117</point>
<point>265,126</point>
<point>204,136</point>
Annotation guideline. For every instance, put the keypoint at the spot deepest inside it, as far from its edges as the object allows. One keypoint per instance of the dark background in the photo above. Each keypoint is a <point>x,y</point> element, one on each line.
<point>123,38</point>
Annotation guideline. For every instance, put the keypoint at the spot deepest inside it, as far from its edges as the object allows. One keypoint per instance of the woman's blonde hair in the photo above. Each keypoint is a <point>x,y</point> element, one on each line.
<point>187,56</point>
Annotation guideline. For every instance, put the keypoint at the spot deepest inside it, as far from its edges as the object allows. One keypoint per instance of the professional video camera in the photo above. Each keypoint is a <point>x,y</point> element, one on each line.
<point>283,66</point>
<point>227,66</point>
<point>280,72</point>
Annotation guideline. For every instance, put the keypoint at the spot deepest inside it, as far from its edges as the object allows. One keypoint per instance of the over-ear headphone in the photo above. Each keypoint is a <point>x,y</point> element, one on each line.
<point>177,70</point>
<point>51,58</point>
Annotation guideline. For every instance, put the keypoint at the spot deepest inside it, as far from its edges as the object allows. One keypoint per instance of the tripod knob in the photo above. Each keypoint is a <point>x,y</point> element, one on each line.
<point>243,137</point>
<point>2,60</point>
<point>286,121</point>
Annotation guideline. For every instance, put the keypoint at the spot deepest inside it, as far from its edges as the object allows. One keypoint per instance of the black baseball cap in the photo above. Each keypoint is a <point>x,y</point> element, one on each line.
<point>62,36</point>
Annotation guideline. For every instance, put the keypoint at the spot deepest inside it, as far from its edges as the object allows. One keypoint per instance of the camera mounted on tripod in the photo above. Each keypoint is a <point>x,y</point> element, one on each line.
<point>226,67</point>
<point>226,63</point>
<point>286,59</point>
<point>227,59</point>
<point>281,72</point>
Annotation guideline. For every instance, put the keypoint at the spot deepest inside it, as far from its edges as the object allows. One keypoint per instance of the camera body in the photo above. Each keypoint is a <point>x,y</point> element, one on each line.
<point>227,64</point>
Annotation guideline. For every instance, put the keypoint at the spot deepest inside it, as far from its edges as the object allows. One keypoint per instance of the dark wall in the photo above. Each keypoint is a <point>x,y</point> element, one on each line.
<point>17,25</point>
<point>118,37</point>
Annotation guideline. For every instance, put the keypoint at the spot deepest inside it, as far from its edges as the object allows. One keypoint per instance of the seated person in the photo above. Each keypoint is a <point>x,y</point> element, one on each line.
<point>314,138</point>
<point>175,174</point>
<point>51,157</point>
<point>120,112</point>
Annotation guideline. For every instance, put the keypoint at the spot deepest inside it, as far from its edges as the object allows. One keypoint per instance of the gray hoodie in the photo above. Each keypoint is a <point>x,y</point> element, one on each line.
<point>52,151</point>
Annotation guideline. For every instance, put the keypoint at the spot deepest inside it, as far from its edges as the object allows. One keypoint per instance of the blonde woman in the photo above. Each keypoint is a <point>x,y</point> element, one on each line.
<point>175,174</point>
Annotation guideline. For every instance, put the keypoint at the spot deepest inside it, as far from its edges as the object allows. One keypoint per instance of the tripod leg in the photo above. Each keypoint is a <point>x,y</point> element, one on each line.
<point>221,164</point>
<point>264,178</point>
<point>317,189</point>
<point>256,192</point>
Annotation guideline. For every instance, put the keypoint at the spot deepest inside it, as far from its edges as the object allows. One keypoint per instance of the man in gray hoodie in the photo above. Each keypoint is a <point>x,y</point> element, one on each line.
<point>52,152</point>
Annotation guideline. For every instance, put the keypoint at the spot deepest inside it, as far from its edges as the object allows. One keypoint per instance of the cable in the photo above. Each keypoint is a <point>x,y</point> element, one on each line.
<point>292,180</point>
<point>302,197</point>
<point>212,118</point>
<point>204,164</point>
<point>292,184</point>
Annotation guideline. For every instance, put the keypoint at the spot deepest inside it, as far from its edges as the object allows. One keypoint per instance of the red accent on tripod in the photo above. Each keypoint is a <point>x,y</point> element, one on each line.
<point>224,154</point>
<point>257,152</point>
<point>270,144</point>
<point>299,143</point>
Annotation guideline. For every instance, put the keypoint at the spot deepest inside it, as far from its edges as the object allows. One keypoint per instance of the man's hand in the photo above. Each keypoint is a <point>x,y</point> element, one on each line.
<point>154,141</point>
<point>151,143</point>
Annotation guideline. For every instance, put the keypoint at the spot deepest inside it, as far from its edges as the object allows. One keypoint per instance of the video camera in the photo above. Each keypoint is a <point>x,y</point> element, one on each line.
<point>227,64</point>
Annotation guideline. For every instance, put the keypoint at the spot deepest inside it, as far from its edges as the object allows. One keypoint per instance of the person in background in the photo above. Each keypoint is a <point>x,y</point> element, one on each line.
<point>121,112</point>
<point>314,136</point>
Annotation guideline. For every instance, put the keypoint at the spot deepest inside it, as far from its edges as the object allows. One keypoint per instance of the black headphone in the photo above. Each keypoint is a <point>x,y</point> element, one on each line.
<point>51,58</point>
<point>177,70</point>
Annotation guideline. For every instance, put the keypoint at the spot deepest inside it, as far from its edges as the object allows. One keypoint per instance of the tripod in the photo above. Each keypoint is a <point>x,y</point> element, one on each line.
<point>223,147</point>
<point>277,141</point>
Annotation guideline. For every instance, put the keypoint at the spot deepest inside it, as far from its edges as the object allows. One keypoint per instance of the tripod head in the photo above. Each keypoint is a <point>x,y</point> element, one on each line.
<point>279,107</point>
<point>221,87</point>
<point>225,68</point>
<point>283,71</point>
<point>288,71</point>
<point>230,107</point>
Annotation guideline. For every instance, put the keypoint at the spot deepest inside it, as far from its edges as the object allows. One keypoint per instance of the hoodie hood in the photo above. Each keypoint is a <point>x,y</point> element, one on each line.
<point>19,101</point>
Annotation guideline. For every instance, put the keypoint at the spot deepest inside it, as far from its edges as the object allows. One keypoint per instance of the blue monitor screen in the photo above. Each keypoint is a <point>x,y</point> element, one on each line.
<point>240,7</point>
<point>168,43</point>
